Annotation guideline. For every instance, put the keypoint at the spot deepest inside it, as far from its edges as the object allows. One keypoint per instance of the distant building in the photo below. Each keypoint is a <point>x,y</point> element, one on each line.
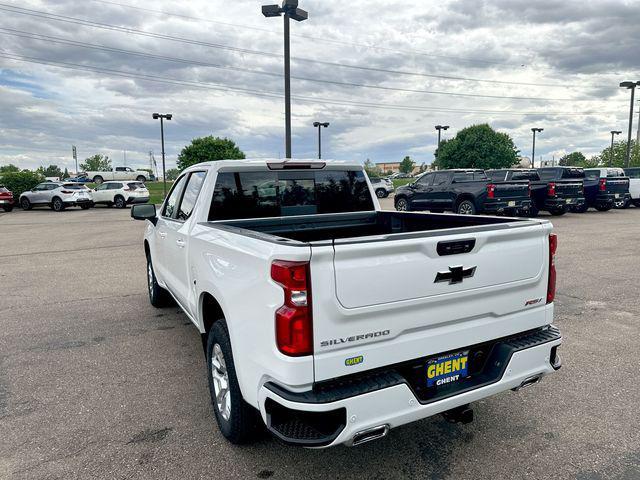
<point>394,167</point>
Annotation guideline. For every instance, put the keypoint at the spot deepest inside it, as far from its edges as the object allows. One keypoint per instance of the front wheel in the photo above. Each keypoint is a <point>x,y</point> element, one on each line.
<point>158,296</point>
<point>25,204</point>
<point>402,205</point>
<point>237,420</point>
<point>141,178</point>
<point>466,207</point>
<point>119,202</point>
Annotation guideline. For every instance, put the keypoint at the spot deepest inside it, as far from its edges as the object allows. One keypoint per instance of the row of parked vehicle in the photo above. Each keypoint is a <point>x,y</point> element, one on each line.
<point>521,192</point>
<point>61,195</point>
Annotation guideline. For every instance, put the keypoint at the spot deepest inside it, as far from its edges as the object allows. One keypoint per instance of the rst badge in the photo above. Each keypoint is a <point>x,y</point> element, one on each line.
<point>447,368</point>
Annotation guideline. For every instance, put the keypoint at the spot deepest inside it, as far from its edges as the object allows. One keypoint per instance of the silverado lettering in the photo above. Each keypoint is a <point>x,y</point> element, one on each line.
<point>355,338</point>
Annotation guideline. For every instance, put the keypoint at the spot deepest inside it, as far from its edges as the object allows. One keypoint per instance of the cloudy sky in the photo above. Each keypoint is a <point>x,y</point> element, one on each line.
<point>383,72</point>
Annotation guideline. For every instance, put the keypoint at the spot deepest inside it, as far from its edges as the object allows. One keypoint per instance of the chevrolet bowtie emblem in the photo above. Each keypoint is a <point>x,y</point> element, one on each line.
<point>455,274</point>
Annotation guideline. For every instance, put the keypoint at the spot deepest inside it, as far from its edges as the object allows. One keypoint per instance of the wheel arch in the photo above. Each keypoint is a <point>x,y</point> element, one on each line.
<point>465,196</point>
<point>209,312</point>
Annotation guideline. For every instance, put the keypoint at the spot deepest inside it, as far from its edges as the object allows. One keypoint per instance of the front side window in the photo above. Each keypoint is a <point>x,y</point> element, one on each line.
<point>121,169</point>
<point>102,186</point>
<point>440,178</point>
<point>190,195</point>
<point>170,205</point>
<point>426,179</point>
<point>115,186</point>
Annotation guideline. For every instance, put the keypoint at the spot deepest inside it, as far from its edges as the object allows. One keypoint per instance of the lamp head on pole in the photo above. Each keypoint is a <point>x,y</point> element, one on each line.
<point>321,124</point>
<point>616,132</point>
<point>537,130</point>
<point>629,84</point>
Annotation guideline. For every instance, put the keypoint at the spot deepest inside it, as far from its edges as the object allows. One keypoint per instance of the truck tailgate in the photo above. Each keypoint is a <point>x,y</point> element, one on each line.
<point>400,299</point>
<point>515,189</point>
<point>569,188</point>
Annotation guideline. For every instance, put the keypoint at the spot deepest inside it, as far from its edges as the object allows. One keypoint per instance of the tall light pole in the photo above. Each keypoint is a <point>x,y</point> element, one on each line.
<point>439,128</point>
<point>319,126</point>
<point>533,149</point>
<point>629,86</point>
<point>613,132</point>
<point>162,117</point>
<point>290,10</point>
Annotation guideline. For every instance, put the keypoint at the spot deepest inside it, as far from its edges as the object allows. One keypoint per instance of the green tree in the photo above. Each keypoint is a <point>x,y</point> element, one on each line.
<point>619,155</point>
<point>573,159</point>
<point>65,174</point>
<point>371,169</point>
<point>18,182</point>
<point>96,163</point>
<point>50,171</point>
<point>206,149</point>
<point>407,165</point>
<point>9,168</point>
<point>477,146</point>
<point>172,174</point>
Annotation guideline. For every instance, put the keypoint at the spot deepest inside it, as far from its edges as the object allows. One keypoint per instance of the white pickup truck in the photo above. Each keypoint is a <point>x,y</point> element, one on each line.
<point>332,321</point>
<point>118,173</point>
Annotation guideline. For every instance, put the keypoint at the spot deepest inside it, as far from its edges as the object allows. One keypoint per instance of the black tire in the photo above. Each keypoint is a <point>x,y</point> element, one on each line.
<point>141,178</point>
<point>402,204</point>
<point>558,212</point>
<point>85,206</point>
<point>98,179</point>
<point>636,203</point>
<point>466,207</point>
<point>158,296</point>
<point>57,205</point>
<point>381,193</point>
<point>241,423</point>
<point>580,209</point>
<point>119,201</point>
<point>533,212</point>
<point>25,204</point>
<point>7,208</point>
<point>601,208</point>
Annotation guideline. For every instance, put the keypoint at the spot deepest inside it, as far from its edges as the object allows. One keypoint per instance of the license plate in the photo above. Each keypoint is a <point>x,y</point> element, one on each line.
<point>447,368</point>
<point>512,204</point>
<point>617,195</point>
<point>3,201</point>
<point>569,200</point>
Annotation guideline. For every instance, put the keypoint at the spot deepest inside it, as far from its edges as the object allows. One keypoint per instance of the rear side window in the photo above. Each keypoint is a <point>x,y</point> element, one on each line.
<point>190,195</point>
<point>632,172</point>
<point>528,175</point>
<point>572,173</point>
<point>172,201</point>
<point>592,174</point>
<point>547,174</point>
<point>615,172</point>
<point>273,194</point>
<point>497,175</point>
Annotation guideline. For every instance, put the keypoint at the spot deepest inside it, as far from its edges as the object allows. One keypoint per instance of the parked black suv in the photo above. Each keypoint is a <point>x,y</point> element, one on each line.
<point>465,192</point>
<point>554,197</point>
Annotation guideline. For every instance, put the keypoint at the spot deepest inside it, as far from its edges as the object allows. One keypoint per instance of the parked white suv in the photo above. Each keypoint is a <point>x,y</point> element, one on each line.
<point>332,321</point>
<point>120,194</point>
<point>381,186</point>
<point>56,195</point>
<point>634,184</point>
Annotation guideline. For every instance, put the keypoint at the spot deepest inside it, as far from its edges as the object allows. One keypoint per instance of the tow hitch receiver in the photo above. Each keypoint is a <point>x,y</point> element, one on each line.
<point>462,414</point>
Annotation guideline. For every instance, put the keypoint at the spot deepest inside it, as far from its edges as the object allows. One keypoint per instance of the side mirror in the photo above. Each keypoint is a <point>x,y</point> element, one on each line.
<point>144,212</point>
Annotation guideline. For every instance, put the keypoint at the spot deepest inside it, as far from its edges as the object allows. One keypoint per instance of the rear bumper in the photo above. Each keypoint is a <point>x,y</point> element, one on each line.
<point>132,200</point>
<point>387,399</point>
<point>75,202</point>
<point>507,206</point>
<point>557,203</point>
<point>605,200</point>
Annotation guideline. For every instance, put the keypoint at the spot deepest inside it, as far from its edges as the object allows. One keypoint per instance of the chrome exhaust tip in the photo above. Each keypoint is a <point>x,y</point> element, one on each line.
<point>369,435</point>
<point>528,382</point>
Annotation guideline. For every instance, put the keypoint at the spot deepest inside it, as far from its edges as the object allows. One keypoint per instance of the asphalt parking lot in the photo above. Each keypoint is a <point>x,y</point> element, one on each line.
<point>96,383</point>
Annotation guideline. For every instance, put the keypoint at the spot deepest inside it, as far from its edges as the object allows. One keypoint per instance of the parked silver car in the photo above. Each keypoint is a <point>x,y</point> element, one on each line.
<point>382,186</point>
<point>57,195</point>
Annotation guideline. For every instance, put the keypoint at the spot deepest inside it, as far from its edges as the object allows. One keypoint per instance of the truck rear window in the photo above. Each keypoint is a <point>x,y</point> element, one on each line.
<point>282,193</point>
<point>526,175</point>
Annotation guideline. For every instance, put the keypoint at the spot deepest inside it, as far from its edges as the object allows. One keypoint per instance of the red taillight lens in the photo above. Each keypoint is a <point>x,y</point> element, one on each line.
<point>294,325</point>
<point>66,191</point>
<point>551,189</point>
<point>491,191</point>
<point>551,286</point>
<point>603,185</point>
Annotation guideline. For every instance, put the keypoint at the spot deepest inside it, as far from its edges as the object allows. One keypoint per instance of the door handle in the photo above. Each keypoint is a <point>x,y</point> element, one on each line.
<point>162,234</point>
<point>180,243</point>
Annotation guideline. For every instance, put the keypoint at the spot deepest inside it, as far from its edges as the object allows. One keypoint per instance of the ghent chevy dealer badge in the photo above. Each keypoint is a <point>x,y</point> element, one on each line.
<point>447,368</point>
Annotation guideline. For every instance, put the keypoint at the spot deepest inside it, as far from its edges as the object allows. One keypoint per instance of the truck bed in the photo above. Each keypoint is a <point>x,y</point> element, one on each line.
<point>330,227</point>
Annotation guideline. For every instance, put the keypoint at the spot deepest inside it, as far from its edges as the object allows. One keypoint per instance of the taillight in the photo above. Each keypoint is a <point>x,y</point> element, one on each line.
<point>551,286</point>
<point>491,191</point>
<point>551,190</point>
<point>294,325</point>
<point>603,185</point>
<point>66,191</point>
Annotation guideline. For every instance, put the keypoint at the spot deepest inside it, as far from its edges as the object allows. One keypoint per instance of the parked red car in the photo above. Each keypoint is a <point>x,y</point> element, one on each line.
<point>6,199</point>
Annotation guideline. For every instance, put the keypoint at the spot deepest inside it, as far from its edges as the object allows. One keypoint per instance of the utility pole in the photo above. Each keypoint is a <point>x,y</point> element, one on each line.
<point>319,126</point>
<point>75,157</point>
<point>439,128</point>
<point>629,86</point>
<point>613,132</point>
<point>638,131</point>
<point>162,117</point>
<point>533,149</point>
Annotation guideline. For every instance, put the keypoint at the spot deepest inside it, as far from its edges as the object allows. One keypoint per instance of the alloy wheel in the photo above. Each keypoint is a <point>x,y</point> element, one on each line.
<point>221,382</point>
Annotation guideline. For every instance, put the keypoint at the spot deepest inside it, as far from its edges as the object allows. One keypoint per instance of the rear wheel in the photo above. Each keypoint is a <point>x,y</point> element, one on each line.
<point>7,208</point>
<point>25,203</point>
<point>381,193</point>
<point>533,212</point>
<point>141,178</point>
<point>402,205</point>
<point>636,203</point>
<point>602,208</point>
<point>119,201</point>
<point>85,206</point>
<point>557,212</point>
<point>580,209</point>
<point>158,296</point>
<point>466,207</point>
<point>237,420</point>
<point>98,179</point>
<point>57,205</point>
